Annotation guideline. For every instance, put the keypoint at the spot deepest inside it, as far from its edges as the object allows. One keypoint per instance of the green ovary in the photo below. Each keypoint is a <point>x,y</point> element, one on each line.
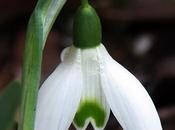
<point>90,109</point>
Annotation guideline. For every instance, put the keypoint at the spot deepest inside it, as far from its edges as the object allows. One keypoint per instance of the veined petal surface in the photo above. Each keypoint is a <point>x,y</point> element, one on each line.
<point>129,101</point>
<point>60,94</point>
<point>93,106</point>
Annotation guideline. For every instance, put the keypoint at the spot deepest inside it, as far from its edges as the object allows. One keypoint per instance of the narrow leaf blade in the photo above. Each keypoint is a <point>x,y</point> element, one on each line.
<point>9,101</point>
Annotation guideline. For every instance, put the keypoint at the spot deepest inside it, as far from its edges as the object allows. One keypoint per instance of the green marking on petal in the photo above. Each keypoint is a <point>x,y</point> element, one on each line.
<point>90,109</point>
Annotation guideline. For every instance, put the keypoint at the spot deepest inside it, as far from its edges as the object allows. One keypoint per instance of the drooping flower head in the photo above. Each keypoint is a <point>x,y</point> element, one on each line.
<point>88,83</point>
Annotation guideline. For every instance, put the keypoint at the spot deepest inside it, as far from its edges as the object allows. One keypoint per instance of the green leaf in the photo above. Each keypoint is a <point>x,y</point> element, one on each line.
<point>9,101</point>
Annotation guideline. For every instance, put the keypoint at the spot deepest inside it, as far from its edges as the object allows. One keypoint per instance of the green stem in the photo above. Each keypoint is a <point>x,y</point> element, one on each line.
<point>31,72</point>
<point>84,2</point>
<point>39,26</point>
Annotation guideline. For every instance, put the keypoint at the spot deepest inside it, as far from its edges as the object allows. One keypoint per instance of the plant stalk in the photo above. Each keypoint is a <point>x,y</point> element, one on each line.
<point>39,26</point>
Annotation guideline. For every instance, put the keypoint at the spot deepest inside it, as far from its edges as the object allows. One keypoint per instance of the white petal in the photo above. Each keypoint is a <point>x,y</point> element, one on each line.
<point>93,102</point>
<point>126,96</point>
<point>65,53</point>
<point>60,94</point>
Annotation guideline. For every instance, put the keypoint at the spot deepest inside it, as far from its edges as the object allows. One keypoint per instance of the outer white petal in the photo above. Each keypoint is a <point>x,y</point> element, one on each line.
<point>126,96</point>
<point>93,97</point>
<point>60,94</point>
<point>65,53</point>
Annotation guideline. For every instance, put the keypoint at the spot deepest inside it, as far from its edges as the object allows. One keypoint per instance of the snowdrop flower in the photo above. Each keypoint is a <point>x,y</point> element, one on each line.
<point>88,83</point>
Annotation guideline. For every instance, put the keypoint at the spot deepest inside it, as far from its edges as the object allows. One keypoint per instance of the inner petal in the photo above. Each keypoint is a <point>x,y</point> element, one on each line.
<point>90,109</point>
<point>93,107</point>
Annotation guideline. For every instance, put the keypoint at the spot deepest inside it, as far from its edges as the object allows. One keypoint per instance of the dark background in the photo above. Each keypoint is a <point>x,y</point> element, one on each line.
<point>139,34</point>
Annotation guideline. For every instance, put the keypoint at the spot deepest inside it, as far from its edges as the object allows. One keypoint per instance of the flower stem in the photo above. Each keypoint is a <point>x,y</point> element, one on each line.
<point>84,2</point>
<point>39,26</point>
